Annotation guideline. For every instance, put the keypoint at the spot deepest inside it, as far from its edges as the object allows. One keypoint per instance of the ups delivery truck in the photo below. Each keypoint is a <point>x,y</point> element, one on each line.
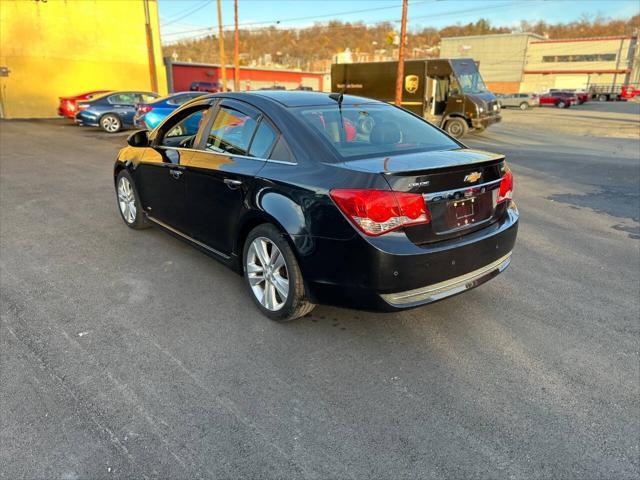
<point>448,93</point>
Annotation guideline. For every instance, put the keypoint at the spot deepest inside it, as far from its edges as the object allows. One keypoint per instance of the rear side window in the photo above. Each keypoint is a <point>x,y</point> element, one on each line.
<point>231,131</point>
<point>282,152</point>
<point>361,131</point>
<point>124,98</point>
<point>180,99</point>
<point>263,140</point>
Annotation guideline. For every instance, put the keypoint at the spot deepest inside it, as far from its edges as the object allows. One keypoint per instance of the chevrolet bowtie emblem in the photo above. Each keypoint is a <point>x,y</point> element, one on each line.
<point>472,177</point>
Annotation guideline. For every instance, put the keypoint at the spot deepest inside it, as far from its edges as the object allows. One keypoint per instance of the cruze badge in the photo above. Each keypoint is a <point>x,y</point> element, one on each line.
<point>472,177</point>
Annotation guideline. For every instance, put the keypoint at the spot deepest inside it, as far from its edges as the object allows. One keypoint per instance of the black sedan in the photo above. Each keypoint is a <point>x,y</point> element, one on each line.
<point>318,198</point>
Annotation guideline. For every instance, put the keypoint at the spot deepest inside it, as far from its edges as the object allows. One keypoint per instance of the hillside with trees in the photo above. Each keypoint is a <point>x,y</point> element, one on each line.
<point>312,48</point>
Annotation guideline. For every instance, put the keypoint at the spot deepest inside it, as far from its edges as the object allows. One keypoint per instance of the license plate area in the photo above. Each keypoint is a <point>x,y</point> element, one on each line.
<point>461,212</point>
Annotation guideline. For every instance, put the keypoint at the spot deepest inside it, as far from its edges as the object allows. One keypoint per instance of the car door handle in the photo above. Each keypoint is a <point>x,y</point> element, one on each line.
<point>176,173</point>
<point>232,184</point>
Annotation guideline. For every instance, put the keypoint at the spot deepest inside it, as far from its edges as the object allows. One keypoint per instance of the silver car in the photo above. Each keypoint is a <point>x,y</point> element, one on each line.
<point>523,101</point>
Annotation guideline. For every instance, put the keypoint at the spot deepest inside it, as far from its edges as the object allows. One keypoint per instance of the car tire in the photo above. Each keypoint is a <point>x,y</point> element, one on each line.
<point>456,127</point>
<point>602,97</point>
<point>129,204</point>
<point>561,104</point>
<point>111,123</point>
<point>273,277</point>
<point>524,106</point>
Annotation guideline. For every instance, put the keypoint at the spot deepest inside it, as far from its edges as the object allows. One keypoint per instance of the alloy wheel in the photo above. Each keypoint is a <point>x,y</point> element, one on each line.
<point>110,124</point>
<point>126,200</point>
<point>267,273</point>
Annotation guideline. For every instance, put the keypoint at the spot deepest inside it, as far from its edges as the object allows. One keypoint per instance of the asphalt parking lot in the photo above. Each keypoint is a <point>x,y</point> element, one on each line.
<point>128,354</point>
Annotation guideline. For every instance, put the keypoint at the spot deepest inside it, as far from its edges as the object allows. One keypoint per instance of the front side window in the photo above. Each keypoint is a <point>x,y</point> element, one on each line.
<point>183,130</point>
<point>361,131</point>
<point>231,131</point>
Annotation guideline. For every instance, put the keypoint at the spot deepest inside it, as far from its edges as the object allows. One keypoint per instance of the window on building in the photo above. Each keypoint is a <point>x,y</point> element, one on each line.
<point>595,57</point>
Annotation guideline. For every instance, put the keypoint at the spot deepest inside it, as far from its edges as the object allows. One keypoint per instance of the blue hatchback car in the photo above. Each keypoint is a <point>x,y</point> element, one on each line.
<point>112,111</point>
<point>149,115</point>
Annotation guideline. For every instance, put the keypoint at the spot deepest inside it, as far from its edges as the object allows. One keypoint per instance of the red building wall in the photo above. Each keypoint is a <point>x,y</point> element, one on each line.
<point>250,78</point>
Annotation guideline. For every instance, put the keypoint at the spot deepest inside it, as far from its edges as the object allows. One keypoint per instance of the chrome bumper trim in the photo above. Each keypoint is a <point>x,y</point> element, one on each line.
<point>438,291</point>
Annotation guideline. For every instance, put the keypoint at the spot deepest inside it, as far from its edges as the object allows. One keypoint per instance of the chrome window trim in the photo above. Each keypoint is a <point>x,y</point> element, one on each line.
<point>258,159</point>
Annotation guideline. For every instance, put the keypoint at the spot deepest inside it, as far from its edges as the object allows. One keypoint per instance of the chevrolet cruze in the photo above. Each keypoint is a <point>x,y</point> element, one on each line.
<point>318,198</point>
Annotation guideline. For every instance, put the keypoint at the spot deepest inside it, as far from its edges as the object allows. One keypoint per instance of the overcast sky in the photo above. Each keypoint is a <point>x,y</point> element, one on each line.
<point>190,18</point>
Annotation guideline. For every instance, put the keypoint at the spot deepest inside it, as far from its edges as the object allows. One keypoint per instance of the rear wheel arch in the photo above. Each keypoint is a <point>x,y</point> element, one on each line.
<point>111,114</point>
<point>250,222</point>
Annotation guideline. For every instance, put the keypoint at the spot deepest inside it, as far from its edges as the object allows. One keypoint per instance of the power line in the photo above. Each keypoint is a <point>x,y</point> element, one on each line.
<point>286,20</point>
<point>186,14</point>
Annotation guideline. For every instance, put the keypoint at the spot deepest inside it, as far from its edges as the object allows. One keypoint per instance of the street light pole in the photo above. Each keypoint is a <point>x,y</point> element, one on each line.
<point>223,66</point>
<point>403,40</point>
<point>236,50</point>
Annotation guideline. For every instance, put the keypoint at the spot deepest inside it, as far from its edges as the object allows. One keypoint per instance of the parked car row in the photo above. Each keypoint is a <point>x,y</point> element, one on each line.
<point>556,98</point>
<point>565,98</point>
<point>114,111</point>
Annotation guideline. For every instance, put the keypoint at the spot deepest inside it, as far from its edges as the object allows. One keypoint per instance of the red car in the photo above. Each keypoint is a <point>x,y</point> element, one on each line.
<point>69,105</point>
<point>629,91</point>
<point>559,99</point>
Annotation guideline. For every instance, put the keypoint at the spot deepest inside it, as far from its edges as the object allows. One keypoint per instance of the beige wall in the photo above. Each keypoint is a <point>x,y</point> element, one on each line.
<point>540,74</point>
<point>61,48</point>
<point>501,57</point>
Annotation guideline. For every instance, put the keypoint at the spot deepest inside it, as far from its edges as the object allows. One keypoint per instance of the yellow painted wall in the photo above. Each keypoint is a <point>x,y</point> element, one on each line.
<point>59,48</point>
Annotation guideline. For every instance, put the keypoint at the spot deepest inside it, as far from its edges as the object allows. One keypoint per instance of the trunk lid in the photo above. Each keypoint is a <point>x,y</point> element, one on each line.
<point>460,188</point>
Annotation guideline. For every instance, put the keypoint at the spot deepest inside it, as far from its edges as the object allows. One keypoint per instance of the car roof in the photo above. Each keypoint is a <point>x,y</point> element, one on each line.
<point>301,98</point>
<point>170,96</point>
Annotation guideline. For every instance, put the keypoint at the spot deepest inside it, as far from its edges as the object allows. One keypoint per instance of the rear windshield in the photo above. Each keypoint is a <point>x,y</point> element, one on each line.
<point>362,131</point>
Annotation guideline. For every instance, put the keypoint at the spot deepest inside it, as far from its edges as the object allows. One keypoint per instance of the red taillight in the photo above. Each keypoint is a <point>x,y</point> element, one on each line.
<point>144,109</point>
<point>506,187</point>
<point>376,212</point>
<point>83,106</point>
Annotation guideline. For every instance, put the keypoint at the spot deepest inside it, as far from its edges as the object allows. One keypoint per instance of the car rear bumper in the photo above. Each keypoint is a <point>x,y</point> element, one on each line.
<point>66,113</point>
<point>86,119</point>
<point>447,288</point>
<point>384,276</point>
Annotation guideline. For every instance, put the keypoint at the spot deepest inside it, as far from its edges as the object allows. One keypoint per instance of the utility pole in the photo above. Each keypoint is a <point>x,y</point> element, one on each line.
<point>236,49</point>
<point>403,40</point>
<point>150,53</point>
<point>223,64</point>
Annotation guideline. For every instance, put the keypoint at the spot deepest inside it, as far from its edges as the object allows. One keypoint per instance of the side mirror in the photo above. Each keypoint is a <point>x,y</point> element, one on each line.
<point>139,139</point>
